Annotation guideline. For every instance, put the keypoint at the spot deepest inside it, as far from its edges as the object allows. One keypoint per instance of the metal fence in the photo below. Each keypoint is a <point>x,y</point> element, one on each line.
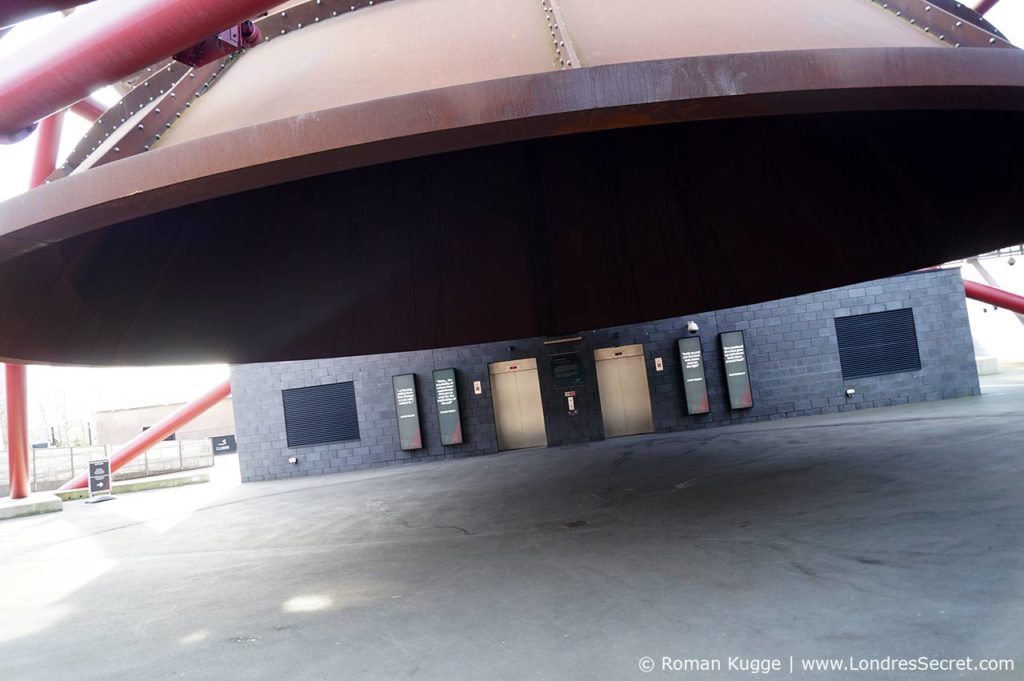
<point>51,468</point>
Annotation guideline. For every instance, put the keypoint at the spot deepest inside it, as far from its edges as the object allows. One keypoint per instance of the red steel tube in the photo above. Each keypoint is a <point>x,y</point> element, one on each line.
<point>994,296</point>
<point>167,425</point>
<point>45,161</point>
<point>984,6</point>
<point>17,429</point>
<point>102,43</point>
<point>89,108</point>
<point>47,145</point>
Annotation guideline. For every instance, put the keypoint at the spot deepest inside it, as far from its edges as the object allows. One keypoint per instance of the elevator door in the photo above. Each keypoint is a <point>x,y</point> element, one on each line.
<point>625,396</point>
<point>518,412</point>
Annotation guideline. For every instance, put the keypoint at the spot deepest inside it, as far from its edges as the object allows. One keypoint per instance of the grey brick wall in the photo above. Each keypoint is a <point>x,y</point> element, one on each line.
<point>791,352</point>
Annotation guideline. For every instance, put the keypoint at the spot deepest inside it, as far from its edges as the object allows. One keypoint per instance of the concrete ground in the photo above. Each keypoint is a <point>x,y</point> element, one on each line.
<point>895,532</point>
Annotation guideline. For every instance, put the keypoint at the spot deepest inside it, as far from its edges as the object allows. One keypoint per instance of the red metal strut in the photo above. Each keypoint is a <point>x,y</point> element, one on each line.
<point>89,108</point>
<point>17,380</point>
<point>17,430</point>
<point>984,6</point>
<point>994,296</point>
<point>167,425</point>
<point>101,43</point>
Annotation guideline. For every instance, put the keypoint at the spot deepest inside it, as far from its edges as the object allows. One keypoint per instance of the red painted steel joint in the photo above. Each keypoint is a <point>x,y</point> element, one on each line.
<point>245,34</point>
<point>984,6</point>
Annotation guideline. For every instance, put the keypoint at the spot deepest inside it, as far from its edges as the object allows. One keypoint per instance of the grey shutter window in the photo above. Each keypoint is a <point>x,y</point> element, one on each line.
<point>320,413</point>
<point>878,343</point>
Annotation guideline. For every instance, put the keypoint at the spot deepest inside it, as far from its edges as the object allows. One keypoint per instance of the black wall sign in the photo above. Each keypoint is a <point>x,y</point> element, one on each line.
<point>408,410</point>
<point>695,384</point>
<point>224,444</point>
<point>737,380</point>
<point>448,406</point>
<point>566,370</point>
<point>99,477</point>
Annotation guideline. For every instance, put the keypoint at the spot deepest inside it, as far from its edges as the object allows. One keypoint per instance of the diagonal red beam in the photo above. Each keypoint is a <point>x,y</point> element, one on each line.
<point>101,43</point>
<point>167,425</point>
<point>994,296</point>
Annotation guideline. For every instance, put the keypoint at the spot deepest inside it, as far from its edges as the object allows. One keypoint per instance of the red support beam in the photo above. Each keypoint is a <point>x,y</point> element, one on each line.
<point>15,375</point>
<point>17,429</point>
<point>89,108</point>
<point>156,434</point>
<point>994,296</point>
<point>984,6</point>
<point>102,43</point>
<point>47,144</point>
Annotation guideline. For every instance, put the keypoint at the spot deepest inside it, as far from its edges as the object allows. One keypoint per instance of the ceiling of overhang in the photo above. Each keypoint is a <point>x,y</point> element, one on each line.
<point>542,237</point>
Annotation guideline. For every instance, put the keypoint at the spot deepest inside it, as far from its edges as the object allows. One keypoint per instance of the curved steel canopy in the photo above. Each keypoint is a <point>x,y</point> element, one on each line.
<point>311,209</point>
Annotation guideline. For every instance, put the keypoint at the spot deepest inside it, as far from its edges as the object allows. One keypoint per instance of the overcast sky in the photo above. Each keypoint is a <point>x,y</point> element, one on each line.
<point>71,396</point>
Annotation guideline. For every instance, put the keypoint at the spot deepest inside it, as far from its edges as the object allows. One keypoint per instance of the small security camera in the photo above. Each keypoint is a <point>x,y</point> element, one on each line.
<point>850,392</point>
<point>692,327</point>
<point>293,460</point>
<point>1011,261</point>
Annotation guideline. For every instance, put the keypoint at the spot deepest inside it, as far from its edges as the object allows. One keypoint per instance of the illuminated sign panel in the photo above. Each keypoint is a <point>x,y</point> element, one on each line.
<point>448,416</point>
<point>695,384</point>
<point>407,409</point>
<point>737,380</point>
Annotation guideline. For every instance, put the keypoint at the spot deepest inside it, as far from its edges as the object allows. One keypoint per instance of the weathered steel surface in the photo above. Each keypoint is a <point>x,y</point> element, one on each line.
<point>557,103</point>
<point>165,92</point>
<point>422,174</point>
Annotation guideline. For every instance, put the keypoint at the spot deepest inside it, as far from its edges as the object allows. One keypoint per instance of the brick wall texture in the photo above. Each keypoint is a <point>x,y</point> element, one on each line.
<point>791,350</point>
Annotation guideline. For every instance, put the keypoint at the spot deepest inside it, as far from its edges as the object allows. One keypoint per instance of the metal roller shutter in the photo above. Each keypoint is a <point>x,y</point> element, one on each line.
<point>320,413</point>
<point>878,343</point>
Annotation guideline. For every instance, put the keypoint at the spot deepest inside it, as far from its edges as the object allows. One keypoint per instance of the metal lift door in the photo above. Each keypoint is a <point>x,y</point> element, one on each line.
<point>625,394</point>
<point>518,411</point>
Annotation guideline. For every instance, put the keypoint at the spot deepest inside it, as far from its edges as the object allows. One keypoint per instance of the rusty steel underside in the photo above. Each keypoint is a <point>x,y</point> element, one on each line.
<point>598,173</point>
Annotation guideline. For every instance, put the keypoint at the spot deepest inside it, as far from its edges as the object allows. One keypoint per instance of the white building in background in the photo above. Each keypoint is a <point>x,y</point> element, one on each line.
<point>997,332</point>
<point>117,426</point>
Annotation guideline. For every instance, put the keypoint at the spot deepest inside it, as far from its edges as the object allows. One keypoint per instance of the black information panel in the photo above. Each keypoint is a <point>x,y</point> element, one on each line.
<point>224,444</point>
<point>694,382</point>
<point>737,381</point>
<point>566,370</point>
<point>408,409</point>
<point>448,406</point>
<point>99,476</point>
